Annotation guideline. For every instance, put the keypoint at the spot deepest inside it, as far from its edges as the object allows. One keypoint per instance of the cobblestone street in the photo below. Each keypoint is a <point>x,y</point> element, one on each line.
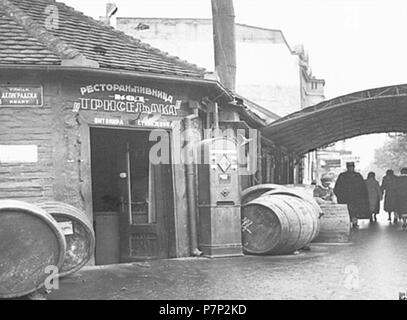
<point>372,266</point>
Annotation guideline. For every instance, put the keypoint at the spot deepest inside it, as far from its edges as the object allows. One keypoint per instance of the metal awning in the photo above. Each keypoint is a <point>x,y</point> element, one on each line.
<point>371,111</point>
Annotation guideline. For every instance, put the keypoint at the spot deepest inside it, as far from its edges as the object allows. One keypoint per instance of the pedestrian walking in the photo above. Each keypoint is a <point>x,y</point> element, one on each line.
<point>389,189</point>
<point>375,195</point>
<point>350,188</point>
<point>401,195</point>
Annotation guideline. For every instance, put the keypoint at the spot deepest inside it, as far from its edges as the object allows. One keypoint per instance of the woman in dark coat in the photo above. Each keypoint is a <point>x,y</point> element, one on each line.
<point>350,189</point>
<point>390,189</point>
<point>375,195</point>
<point>401,195</point>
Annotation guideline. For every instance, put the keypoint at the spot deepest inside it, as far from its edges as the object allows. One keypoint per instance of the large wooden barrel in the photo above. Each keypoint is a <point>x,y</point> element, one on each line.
<point>335,224</point>
<point>277,224</point>
<point>296,190</point>
<point>79,235</point>
<point>256,191</point>
<point>312,207</point>
<point>299,194</point>
<point>305,188</point>
<point>30,242</point>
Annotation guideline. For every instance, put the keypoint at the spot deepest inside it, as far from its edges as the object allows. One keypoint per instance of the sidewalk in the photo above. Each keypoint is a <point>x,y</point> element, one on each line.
<point>373,266</point>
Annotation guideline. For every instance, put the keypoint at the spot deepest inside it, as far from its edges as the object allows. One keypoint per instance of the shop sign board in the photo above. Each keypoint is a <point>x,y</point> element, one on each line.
<point>128,99</point>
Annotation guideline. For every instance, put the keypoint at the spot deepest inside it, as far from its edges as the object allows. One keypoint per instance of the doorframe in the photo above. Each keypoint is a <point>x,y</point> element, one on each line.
<point>85,177</point>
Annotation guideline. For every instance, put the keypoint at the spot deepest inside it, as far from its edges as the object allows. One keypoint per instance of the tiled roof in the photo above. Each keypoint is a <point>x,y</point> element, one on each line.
<point>18,47</point>
<point>25,39</point>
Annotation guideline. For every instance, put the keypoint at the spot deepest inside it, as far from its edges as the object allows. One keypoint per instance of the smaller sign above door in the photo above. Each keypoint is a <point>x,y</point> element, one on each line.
<point>21,96</point>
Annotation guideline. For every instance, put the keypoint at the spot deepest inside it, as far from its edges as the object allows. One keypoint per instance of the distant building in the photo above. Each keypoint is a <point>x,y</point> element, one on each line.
<point>269,71</point>
<point>333,160</point>
<point>312,92</point>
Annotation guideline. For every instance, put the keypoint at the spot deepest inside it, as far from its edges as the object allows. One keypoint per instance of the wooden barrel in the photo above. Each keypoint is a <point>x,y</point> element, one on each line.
<point>277,224</point>
<point>296,190</point>
<point>299,194</point>
<point>30,242</point>
<point>335,224</point>
<point>254,192</point>
<point>312,205</point>
<point>79,235</point>
<point>305,188</point>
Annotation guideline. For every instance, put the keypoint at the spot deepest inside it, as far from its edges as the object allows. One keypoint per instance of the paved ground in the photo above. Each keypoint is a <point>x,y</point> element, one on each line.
<point>372,266</point>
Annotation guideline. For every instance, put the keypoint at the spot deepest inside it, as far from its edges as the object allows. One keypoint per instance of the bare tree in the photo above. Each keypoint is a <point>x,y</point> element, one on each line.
<point>393,155</point>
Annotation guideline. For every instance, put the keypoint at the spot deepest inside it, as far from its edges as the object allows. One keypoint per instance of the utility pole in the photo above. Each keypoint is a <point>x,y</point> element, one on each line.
<point>224,41</point>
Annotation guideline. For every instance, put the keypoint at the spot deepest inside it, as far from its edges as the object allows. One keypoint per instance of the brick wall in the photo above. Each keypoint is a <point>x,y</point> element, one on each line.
<point>54,129</point>
<point>60,173</point>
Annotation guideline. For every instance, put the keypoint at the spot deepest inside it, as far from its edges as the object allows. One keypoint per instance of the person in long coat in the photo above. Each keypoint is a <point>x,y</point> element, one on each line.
<point>389,189</point>
<point>350,188</point>
<point>401,196</point>
<point>374,193</point>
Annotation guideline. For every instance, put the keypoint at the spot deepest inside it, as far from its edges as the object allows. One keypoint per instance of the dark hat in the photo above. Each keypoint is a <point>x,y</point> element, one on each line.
<point>350,164</point>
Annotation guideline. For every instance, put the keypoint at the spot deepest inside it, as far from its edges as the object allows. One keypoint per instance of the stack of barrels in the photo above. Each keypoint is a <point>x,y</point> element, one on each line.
<point>278,220</point>
<point>37,240</point>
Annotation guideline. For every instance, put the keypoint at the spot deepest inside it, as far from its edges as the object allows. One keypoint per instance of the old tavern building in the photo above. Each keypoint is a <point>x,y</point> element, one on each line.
<point>278,77</point>
<point>82,106</point>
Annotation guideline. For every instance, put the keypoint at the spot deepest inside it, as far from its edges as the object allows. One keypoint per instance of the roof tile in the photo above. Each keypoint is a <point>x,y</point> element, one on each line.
<point>17,46</point>
<point>110,48</point>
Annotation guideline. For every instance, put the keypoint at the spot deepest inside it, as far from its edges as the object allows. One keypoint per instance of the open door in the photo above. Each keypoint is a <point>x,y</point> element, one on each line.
<point>146,202</point>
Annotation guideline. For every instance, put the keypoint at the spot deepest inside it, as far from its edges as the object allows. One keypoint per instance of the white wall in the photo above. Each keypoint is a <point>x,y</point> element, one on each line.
<point>267,72</point>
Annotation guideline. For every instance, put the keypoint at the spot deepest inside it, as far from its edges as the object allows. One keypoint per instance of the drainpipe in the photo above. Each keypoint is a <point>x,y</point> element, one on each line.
<point>191,194</point>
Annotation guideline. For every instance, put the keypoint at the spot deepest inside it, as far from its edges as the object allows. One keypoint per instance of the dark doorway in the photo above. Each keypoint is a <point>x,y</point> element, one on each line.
<point>132,198</point>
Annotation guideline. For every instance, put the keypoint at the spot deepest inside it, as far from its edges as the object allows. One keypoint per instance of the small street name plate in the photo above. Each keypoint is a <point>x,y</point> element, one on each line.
<point>21,96</point>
